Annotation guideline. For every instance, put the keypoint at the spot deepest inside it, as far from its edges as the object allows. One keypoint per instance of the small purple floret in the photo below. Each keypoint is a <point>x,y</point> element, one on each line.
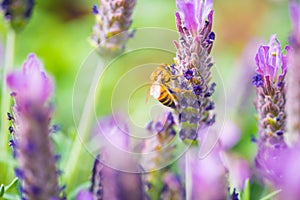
<point>12,143</point>
<point>258,80</point>
<point>11,129</point>
<point>234,195</point>
<point>253,138</point>
<point>197,90</point>
<point>10,117</point>
<point>170,118</point>
<point>19,173</point>
<point>95,10</point>
<point>189,74</point>
<point>210,38</point>
<point>158,127</point>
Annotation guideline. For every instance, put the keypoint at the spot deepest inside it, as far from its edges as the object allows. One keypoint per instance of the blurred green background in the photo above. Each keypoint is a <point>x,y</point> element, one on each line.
<point>58,33</point>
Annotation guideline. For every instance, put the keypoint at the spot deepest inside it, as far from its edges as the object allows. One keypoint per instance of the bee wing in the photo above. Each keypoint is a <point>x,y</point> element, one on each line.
<point>147,97</point>
<point>155,90</point>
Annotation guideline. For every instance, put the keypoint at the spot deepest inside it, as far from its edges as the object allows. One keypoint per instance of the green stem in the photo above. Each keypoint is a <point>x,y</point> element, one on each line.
<point>188,176</point>
<point>5,104</point>
<point>83,128</point>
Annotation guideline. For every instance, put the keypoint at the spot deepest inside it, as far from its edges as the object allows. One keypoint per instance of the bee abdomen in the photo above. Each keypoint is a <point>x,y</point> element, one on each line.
<point>166,99</point>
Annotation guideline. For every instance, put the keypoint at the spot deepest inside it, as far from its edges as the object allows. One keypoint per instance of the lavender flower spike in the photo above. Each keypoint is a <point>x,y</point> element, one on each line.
<point>270,104</point>
<point>293,92</point>
<point>193,66</point>
<point>113,19</point>
<point>115,174</point>
<point>17,12</point>
<point>31,90</point>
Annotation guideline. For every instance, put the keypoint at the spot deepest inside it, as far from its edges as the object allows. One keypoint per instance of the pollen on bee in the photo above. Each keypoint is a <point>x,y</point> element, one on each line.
<point>155,90</point>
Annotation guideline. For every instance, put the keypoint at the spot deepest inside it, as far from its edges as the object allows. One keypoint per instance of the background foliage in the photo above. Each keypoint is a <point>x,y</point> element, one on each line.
<point>58,33</point>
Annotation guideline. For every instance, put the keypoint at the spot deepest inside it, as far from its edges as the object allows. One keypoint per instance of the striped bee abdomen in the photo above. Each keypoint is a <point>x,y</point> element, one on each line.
<point>165,97</point>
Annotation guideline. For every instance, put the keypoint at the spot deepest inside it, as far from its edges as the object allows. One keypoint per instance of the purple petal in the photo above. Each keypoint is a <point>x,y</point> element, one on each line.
<point>268,161</point>
<point>291,183</point>
<point>230,135</point>
<point>188,11</point>
<point>114,132</point>
<point>84,195</point>
<point>270,60</point>
<point>275,55</point>
<point>195,13</point>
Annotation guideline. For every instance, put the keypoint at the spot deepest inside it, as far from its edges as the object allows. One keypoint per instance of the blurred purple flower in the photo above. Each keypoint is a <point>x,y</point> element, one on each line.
<point>157,152</point>
<point>116,173</point>
<point>109,183</point>
<point>293,92</point>
<point>112,132</point>
<point>32,88</point>
<point>290,165</point>
<point>281,167</point>
<point>238,170</point>
<point>111,30</point>
<point>161,144</point>
<point>230,135</point>
<point>17,12</point>
<point>208,176</point>
<point>295,18</point>
<point>269,163</point>
<point>84,195</point>
<point>31,85</point>
<point>173,188</point>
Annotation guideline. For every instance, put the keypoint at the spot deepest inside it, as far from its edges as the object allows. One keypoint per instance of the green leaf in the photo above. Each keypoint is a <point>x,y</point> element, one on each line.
<point>2,190</point>
<point>269,196</point>
<point>12,184</point>
<point>246,192</point>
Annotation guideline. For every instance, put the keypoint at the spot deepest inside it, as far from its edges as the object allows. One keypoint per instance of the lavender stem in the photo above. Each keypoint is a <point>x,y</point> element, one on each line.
<point>5,104</point>
<point>83,127</point>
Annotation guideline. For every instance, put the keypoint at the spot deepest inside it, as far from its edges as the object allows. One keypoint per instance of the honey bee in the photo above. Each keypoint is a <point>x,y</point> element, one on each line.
<point>161,86</point>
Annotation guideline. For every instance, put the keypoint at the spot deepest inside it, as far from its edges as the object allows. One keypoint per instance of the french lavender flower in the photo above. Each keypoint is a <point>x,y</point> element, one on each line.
<point>111,178</point>
<point>270,85</point>
<point>32,88</point>
<point>157,152</point>
<point>270,104</point>
<point>238,170</point>
<point>293,77</point>
<point>208,176</point>
<point>111,31</point>
<point>17,12</point>
<point>282,169</point>
<point>163,128</point>
<point>191,73</point>
<point>173,188</point>
<point>290,165</point>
